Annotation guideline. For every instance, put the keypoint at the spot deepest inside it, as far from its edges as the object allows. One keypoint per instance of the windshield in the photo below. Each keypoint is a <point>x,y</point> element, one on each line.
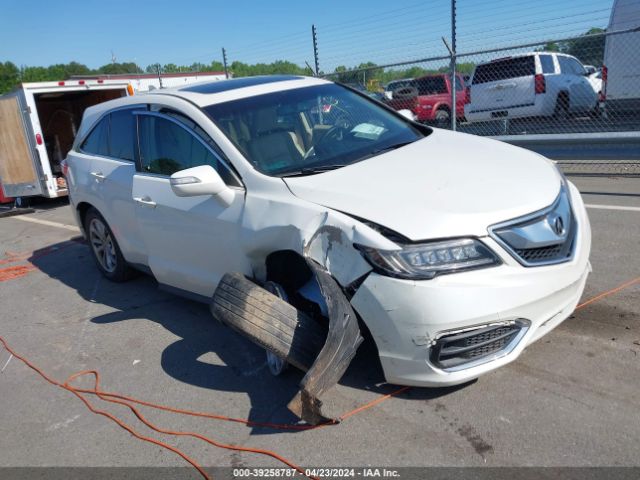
<point>311,129</point>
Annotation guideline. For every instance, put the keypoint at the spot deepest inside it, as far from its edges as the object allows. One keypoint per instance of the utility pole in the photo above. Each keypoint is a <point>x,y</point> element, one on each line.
<point>224,62</point>
<point>454,106</point>
<point>314,36</point>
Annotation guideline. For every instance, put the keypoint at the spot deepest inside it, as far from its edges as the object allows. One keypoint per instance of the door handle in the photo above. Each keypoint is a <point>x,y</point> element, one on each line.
<point>146,200</point>
<point>98,175</point>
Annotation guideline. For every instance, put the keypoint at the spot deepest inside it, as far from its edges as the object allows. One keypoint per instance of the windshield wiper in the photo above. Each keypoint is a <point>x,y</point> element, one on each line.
<point>325,168</point>
<point>311,170</point>
<point>394,146</point>
<point>379,151</point>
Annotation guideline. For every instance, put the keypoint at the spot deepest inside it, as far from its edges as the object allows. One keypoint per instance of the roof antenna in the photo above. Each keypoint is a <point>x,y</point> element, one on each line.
<point>159,75</point>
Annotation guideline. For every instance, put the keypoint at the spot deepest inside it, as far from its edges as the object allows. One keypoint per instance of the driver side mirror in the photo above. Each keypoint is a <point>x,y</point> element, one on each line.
<point>202,180</point>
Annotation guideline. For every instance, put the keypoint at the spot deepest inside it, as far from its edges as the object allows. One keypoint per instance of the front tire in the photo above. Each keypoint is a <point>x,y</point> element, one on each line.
<point>277,365</point>
<point>105,248</point>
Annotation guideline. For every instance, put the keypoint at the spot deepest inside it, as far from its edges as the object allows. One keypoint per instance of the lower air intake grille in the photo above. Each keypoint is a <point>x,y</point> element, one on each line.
<point>534,255</point>
<point>458,349</point>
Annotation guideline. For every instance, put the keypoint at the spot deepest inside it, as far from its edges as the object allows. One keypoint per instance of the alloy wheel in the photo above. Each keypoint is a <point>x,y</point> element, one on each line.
<point>103,245</point>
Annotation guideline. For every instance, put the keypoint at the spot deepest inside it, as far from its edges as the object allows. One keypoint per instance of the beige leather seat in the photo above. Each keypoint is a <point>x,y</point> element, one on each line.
<point>272,147</point>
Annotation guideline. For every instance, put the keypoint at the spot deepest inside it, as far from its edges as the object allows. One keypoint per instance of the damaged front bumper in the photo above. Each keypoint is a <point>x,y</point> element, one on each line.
<point>509,303</point>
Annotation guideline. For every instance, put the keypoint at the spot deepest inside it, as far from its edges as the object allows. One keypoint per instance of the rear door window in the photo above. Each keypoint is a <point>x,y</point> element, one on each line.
<point>504,69</point>
<point>97,143</point>
<point>122,135</point>
<point>546,61</point>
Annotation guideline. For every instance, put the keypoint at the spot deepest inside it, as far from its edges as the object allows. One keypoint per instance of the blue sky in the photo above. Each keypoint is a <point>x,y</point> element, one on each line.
<point>39,32</point>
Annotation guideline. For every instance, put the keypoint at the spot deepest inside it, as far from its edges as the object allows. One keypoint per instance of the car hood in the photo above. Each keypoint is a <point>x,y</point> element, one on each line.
<point>445,185</point>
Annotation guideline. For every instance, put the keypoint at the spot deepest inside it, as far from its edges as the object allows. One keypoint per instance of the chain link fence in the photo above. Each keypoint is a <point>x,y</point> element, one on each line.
<point>563,71</point>
<point>523,81</point>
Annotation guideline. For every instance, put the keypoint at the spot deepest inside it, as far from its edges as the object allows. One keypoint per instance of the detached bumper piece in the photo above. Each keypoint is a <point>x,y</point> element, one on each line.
<point>273,324</point>
<point>477,346</point>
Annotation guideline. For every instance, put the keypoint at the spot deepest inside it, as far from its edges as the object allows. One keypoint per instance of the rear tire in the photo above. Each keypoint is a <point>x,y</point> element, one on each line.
<point>561,112</point>
<point>442,118</point>
<point>105,248</point>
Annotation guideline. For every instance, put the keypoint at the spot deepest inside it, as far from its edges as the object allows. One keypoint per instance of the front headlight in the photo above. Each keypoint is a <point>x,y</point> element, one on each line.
<point>426,260</point>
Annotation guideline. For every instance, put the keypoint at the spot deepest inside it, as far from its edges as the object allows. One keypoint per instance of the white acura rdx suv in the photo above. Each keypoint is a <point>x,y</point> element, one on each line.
<point>296,206</point>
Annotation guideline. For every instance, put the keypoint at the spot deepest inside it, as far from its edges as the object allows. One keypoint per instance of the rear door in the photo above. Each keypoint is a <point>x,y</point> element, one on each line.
<point>19,161</point>
<point>112,174</point>
<point>504,83</point>
<point>191,241</point>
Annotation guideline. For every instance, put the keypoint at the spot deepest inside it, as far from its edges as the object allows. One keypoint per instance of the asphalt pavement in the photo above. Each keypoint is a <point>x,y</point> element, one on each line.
<point>571,399</point>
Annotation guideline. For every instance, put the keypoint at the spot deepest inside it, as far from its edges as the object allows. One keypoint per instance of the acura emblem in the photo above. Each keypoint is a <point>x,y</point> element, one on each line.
<point>558,226</point>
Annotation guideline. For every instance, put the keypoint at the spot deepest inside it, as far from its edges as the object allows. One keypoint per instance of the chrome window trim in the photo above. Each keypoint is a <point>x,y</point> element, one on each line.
<point>190,132</point>
<point>571,237</point>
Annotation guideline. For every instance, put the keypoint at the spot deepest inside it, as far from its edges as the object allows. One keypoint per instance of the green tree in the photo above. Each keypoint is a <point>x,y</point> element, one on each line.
<point>9,76</point>
<point>549,47</point>
<point>35,74</point>
<point>115,68</point>
<point>171,68</point>
<point>588,48</point>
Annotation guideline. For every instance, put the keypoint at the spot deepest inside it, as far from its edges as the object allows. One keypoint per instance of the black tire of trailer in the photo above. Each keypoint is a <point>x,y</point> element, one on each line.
<point>268,321</point>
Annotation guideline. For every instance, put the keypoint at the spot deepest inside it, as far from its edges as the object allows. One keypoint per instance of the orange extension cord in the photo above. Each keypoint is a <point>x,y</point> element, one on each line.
<point>128,401</point>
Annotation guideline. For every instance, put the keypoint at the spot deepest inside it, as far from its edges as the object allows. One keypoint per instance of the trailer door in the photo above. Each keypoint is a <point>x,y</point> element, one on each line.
<point>19,173</point>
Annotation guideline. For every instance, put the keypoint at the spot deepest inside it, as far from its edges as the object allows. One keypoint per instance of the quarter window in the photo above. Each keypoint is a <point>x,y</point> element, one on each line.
<point>97,142</point>
<point>122,135</point>
<point>546,61</point>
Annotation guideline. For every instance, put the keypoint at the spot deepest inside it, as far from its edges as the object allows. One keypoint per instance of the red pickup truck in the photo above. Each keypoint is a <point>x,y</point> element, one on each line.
<point>429,98</point>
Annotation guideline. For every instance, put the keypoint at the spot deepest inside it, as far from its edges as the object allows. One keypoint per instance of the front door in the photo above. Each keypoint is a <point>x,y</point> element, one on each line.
<point>191,241</point>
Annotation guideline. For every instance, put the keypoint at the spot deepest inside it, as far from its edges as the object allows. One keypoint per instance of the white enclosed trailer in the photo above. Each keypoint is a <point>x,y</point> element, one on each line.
<point>621,70</point>
<point>144,82</point>
<point>38,124</point>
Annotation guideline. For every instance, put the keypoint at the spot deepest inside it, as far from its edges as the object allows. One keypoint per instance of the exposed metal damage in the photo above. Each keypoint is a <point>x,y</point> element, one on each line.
<point>323,351</point>
<point>343,339</point>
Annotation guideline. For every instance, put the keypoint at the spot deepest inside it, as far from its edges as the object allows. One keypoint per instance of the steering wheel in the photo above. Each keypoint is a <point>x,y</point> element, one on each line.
<point>336,133</point>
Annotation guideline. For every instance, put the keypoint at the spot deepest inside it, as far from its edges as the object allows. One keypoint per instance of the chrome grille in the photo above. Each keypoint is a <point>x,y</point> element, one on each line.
<point>542,238</point>
<point>459,350</point>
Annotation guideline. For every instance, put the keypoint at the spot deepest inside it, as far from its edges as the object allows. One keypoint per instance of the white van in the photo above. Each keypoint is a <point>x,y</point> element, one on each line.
<point>38,124</point>
<point>621,71</point>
